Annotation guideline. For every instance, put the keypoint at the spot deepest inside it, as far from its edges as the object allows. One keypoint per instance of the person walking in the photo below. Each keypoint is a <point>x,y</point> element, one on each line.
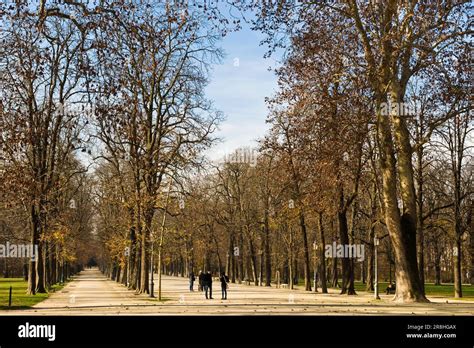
<point>224,281</point>
<point>192,278</point>
<point>207,284</point>
<point>200,281</point>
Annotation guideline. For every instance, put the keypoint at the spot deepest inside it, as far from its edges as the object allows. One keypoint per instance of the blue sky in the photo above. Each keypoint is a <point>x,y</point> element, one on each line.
<point>238,88</point>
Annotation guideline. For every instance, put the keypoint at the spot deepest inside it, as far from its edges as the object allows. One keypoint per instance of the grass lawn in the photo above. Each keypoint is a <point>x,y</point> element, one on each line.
<point>20,300</point>
<point>445,290</point>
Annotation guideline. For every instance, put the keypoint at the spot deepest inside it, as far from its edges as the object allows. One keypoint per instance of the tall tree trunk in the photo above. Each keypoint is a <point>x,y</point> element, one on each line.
<point>230,252</point>
<point>34,240</point>
<point>335,275</point>
<point>347,286</point>
<point>307,272</point>
<point>54,273</point>
<point>40,265</point>
<point>124,280</point>
<point>458,269</point>
<point>136,266</point>
<point>334,260</point>
<point>370,262</point>
<point>268,260</point>
<point>363,276</point>
<point>113,268</point>
<point>373,219</point>
<point>132,250</point>
<point>437,262</point>
<point>240,259</point>
<point>291,271</point>
<point>119,273</point>
<point>234,266</point>
<point>138,218</point>
<point>401,227</point>
<point>457,157</point>
<point>290,261</point>
<point>145,252</point>
<point>419,220</point>
<point>253,259</point>
<point>322,256</point>
<point>470,222</point>
<point>46,266</point>
<point>143,265</point>
<point>295,271</point>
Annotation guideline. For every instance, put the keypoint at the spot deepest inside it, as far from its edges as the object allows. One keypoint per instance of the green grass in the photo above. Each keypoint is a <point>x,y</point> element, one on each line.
<point>20,300</point>
<point>445,290</point>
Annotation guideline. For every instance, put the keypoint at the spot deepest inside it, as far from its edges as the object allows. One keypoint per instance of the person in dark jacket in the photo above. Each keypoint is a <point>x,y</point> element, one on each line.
<point>200,281</point>
<point>192,278</point>
<point>207,284</point>
<point>224,280</point>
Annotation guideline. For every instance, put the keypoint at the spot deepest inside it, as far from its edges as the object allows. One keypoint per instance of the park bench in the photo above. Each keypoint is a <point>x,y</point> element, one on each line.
<point>390,289</point>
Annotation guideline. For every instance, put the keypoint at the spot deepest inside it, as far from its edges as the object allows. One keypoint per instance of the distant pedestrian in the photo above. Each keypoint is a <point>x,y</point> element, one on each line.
<point>192,278</point>
<point>200,281</point>
<point>224,281</point>
<point>207,284</point>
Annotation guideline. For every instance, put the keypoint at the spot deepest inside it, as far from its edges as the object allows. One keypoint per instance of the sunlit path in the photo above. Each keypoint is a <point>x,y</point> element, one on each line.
<point>91,293</point>
<point>88,291</point>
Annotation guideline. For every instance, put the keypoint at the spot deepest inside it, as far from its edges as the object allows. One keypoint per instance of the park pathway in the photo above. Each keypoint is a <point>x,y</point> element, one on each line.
<point>86,293</point>
<point>91,293</point>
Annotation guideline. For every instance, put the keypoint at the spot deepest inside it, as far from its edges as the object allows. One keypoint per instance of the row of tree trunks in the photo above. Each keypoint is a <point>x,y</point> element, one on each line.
<point>46,270</point>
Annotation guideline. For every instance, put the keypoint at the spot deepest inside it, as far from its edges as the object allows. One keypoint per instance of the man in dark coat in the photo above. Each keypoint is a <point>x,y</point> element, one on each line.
<point>207,284</point>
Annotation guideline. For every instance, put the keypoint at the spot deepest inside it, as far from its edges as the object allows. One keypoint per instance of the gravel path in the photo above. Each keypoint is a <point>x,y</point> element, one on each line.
<point>91,293</point>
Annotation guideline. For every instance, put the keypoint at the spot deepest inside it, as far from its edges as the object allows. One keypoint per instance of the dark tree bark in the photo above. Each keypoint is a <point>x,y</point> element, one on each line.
<point>370,262</point>
<point>240,259</point>
<point>347,286</point>
<point>470,223</point>
<point>419,220</point>
<point>268,259</point>
<point>307,272</point>
<point>322,256</point>
<point>335,273</point>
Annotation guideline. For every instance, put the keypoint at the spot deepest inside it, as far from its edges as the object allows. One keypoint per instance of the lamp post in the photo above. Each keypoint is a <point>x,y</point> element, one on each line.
<point>376,287</point>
